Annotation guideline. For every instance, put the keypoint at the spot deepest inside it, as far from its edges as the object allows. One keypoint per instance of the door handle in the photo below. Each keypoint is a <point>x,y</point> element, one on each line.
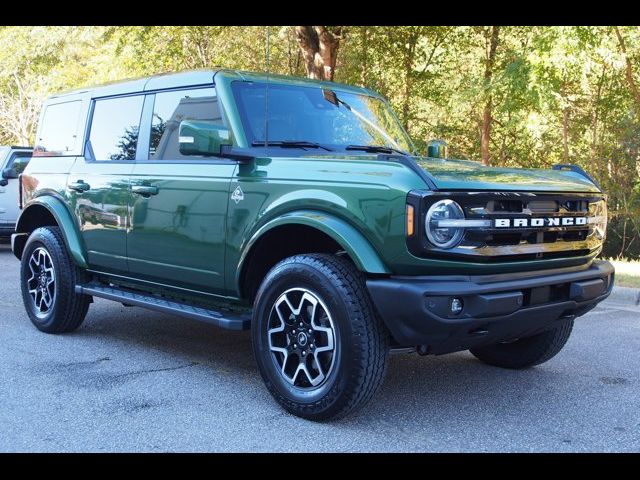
<point>79,186</point>
<point>145,190</point>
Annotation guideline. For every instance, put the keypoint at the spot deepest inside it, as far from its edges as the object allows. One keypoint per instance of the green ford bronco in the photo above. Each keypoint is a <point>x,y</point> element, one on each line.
<point>300,210</point>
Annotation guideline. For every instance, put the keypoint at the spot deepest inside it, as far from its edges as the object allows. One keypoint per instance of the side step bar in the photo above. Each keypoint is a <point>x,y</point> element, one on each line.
<point>228,320</point>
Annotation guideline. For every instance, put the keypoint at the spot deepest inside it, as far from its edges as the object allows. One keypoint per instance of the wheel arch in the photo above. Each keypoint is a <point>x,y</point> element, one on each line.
<point>327,232</point>
<point>49,211</point>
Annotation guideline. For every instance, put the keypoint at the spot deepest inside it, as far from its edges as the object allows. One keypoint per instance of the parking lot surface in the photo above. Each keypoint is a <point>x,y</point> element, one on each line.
<point>134,380</point>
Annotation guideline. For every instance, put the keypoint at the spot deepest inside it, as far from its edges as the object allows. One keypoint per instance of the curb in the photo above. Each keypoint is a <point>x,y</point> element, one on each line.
<point>626,295</point>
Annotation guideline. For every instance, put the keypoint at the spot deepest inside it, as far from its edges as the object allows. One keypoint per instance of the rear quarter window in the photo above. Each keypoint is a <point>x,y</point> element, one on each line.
<point>58,134</point>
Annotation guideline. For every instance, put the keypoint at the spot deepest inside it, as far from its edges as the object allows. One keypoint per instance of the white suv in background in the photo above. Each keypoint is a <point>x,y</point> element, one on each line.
<point>13,161</point>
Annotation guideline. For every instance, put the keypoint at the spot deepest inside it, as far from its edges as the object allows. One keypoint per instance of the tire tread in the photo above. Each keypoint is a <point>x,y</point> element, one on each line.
<point>369,359</point>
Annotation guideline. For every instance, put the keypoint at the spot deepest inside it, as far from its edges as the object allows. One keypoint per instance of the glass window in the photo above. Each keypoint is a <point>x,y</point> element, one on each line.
<point>311,114</point>
<point>169,109</point>
<point>19,161</point>
<point>114,128</point>
<point>59,129</point>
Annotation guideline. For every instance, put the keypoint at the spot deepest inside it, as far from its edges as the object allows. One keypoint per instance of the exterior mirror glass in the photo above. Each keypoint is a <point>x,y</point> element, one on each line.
<point>202,137</point>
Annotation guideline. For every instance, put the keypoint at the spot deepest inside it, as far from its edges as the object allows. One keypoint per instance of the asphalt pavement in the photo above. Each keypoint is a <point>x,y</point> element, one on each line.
<point>134,380</point>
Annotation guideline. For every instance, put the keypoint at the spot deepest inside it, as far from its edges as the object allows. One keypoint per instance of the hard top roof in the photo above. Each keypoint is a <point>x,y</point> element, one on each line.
<point>193,78</point>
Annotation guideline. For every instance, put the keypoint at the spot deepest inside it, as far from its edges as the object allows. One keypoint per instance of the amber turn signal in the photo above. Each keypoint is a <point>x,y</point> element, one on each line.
<point>410,224</point>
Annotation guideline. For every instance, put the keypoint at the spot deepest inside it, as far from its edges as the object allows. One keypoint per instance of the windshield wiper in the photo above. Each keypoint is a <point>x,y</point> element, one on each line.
<point>375,149</point>
<point>291,144</point>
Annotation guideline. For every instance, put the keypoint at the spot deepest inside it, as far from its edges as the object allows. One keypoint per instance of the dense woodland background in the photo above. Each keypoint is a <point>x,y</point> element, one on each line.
<point>506,96</point>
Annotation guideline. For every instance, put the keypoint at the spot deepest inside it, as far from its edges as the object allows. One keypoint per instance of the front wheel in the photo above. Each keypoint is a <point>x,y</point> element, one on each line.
<point>320,347</point>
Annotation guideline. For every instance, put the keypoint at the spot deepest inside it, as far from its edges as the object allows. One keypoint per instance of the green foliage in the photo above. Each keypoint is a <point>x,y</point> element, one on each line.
<point>558,94</point>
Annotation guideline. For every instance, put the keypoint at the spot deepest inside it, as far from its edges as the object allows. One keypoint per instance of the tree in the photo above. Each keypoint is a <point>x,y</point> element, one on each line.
<point>492,38</point>
<point>628,69</point>
<point>319,46</point>
<point>19,109</point>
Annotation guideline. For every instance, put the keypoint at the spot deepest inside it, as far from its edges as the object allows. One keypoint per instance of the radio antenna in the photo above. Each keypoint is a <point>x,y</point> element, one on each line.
<point>266,94</point>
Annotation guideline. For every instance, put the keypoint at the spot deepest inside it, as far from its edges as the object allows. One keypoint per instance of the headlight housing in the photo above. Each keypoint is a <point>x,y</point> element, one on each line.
<point>441,224</point>
<point>598,219</point>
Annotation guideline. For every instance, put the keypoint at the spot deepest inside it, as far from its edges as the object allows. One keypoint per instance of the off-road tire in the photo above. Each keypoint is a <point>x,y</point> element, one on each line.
<point>362,340</point>
<point>526,352</point>
<point>68,308</point>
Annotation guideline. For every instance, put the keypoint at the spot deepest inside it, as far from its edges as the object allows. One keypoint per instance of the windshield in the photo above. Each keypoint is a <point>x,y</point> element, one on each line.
<point>315,115</point>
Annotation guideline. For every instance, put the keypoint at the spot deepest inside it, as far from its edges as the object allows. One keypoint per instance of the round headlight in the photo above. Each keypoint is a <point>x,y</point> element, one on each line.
<point>438,233</point>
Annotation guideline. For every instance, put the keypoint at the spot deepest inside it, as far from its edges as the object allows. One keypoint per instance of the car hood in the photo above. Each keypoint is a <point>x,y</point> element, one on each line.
<point>469,175</point>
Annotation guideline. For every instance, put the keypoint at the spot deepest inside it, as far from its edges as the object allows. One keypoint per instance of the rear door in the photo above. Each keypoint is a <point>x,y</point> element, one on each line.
<point>99,181</point>
<point>179,203</point>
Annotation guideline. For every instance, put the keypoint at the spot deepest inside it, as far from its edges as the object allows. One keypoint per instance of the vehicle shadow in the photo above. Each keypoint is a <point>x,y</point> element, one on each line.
<point>457,386</point>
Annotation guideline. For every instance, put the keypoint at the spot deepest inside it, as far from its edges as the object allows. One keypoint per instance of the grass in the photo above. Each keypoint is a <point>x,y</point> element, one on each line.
<point>627,272</point>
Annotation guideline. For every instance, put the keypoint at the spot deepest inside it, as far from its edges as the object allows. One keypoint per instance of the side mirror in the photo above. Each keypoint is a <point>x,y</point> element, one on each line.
<point>201,137</point>
<point>9,173</point>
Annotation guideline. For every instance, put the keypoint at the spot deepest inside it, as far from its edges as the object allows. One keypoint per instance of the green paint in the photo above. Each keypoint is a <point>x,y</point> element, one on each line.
<point>64,219</point>
<point>468,175</point>
<point>196,232</point>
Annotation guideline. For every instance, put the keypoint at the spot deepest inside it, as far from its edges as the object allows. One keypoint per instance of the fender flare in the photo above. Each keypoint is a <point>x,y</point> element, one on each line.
<point>64,219</point>
<point>344,234</point>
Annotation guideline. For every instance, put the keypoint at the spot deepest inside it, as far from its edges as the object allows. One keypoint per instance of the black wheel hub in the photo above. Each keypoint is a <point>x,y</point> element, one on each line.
<point>301,335</point>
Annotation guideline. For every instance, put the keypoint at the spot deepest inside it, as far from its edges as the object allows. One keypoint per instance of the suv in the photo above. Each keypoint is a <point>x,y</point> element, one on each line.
<point>13,161</point>
<point>298,209</point>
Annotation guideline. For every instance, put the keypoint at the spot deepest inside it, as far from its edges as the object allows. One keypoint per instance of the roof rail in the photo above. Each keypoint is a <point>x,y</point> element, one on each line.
<point>577,169</point>
<point>18,147</point>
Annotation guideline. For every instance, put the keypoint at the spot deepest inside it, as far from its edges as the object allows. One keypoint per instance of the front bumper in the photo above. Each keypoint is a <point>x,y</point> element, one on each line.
<point>7,229</point>
<point>496,307</point>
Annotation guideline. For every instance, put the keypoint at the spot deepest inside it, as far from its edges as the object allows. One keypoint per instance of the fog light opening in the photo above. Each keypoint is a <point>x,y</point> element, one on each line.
<point>456,305</point>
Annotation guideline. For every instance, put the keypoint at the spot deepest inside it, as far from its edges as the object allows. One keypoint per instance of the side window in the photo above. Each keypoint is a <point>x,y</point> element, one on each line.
<point>169,109</point>
<point>114,128</point>
<point>19,161</point>
<point>59,129</point>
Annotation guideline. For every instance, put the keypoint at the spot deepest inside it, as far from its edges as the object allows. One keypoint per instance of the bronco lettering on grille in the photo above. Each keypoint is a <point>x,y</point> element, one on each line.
<point>539,222</point>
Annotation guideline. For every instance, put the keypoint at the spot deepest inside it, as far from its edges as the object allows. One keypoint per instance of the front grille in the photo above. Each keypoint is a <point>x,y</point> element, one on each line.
<point>517,241</point>
<point>526,207</point>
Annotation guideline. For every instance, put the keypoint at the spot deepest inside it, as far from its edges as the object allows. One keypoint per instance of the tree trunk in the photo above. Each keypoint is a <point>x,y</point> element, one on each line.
<point>319,48</point>
<point>565,134</point>
<point>595,157</point>
<point>628,70</point>
<point>364,69</point>
<point>409,55</point>
<point>485,138</point>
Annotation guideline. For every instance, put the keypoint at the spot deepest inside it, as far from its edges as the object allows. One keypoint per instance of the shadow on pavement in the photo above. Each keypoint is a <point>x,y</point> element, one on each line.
<point>455,385</point>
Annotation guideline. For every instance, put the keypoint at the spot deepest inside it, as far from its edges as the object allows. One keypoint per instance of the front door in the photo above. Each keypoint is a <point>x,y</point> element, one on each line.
<point>98,184</point>
<point>179,203</point>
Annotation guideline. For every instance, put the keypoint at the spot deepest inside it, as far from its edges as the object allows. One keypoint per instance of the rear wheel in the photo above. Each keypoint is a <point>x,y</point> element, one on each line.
<point>48,280</point>
<point>526,352</point>
<point>320,347</point>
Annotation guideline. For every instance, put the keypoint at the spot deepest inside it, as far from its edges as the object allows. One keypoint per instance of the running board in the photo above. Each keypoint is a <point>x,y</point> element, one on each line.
<point>228,320</point>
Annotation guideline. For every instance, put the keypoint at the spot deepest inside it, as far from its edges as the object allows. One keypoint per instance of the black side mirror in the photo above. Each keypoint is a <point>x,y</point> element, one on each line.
<point>9,173</point>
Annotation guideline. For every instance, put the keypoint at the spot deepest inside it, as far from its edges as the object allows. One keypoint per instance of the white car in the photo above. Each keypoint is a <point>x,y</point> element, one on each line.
<point>13,161</point>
